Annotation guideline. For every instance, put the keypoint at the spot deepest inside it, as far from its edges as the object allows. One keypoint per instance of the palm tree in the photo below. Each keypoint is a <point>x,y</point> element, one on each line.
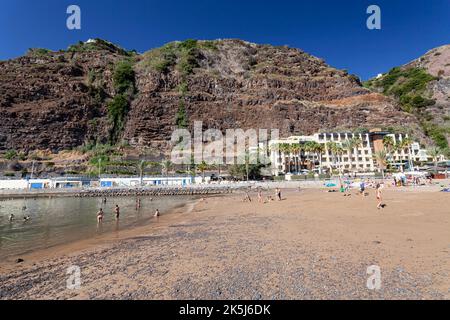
<point>382,159</point>
<point>330,147</point>
<point>388,143</point>
<point>295,149</point>
<point>390,147</point>
<point>406,144</point>
<point>339,151</point>
<point>309,147</point>
<point>336,151</point>
<point>203,167</point>
<point>435,152</point>
<point>285,149</point>
<point>357,143</point>
<point>348,145</point>
<point>141,167</point>
<point>166,167</point>
<point>319,150</point>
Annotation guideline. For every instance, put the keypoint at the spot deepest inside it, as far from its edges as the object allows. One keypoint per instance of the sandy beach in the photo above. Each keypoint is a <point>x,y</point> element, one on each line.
<point>311,245</point>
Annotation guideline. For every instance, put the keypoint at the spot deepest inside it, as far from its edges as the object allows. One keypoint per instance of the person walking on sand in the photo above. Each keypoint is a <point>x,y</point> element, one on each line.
<point>379,197</point>
<point>100,215</point>
<point>362,188</point>
<point>347,190</point>
<point>278,194</point>
<point>157,214</point>
<point>260,196</point>
<point>117,212</point>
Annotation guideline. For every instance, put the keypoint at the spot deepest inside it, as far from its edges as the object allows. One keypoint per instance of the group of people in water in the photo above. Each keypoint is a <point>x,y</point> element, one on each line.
<point>116,211</point>
<point>25,218</point>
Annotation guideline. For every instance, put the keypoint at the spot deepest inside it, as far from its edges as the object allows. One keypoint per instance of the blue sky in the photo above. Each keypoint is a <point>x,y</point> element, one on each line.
<point>334,30</point>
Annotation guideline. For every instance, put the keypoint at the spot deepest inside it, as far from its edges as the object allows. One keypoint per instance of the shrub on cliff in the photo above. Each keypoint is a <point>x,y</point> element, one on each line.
<point>10,155</point>
<point>38,52</point>
<point>124,77</point>
<point>181,116</point>
<point>437,133</point>
<point>124,85</point>
<point>117,108</point>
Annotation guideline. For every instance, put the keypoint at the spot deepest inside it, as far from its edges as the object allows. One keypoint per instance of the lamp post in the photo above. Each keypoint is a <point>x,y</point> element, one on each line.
<point>99,168</point>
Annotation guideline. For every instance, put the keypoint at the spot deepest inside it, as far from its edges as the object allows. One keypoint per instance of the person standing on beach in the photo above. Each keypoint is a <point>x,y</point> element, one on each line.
<point>157,214</point>
<point>260,196</point>
<point>117,211</point>
<point>100,215</point>
<point>362,188</point>
<point>379,197</point>
<point>278,194</point>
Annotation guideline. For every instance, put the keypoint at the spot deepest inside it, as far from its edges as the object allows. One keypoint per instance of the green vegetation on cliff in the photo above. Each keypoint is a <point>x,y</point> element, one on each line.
<point>409,86</point>
<point>124,85</point>
<point>180,55</point>
<point>99,44</point>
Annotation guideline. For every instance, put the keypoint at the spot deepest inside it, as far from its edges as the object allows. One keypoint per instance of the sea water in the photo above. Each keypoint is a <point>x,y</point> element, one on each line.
<point>56,221</point>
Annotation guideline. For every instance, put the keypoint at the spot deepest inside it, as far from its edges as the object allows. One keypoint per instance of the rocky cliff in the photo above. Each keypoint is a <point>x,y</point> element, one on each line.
<point>62,100</point>
<point>422,88</point>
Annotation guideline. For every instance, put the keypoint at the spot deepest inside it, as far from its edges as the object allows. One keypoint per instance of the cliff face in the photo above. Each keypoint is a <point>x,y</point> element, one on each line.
<point>437,63</point>
<point>46,101</point>
<point>59,100</point>
<point>422,88</point>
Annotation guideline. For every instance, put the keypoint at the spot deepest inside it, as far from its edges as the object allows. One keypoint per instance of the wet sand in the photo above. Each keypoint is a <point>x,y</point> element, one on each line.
<point>311,245</point>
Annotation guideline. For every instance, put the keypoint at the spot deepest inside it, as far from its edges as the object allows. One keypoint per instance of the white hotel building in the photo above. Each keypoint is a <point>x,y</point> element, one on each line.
<point>361,159</point>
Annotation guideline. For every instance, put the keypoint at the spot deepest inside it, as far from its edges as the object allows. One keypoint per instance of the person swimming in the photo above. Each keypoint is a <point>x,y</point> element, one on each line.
<point>26,218</point>
<point>11,217</point>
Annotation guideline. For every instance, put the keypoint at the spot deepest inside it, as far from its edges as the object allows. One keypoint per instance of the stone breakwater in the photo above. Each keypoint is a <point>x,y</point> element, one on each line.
<point>181,191</point>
